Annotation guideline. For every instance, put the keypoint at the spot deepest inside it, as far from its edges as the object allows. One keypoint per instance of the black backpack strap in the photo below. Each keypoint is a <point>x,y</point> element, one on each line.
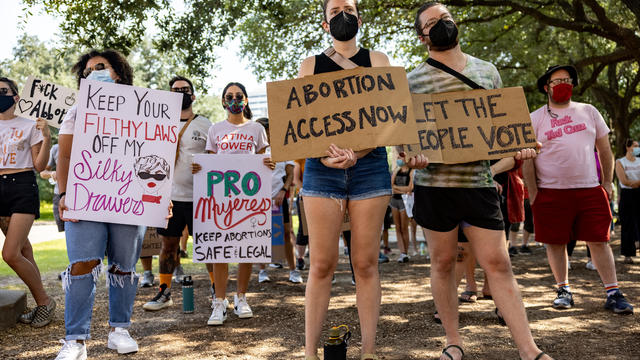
<point>445,68</point>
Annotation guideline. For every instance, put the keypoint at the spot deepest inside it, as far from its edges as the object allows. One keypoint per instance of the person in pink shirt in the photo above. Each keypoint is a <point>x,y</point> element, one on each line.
<point>566,197</point>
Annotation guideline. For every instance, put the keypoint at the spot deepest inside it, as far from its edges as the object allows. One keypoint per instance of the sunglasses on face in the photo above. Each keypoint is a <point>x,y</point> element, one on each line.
<point>5,91</point>
<point>185,90</point>
<point>98,66</point>
<point>239,97</point>
<point>146,175</point>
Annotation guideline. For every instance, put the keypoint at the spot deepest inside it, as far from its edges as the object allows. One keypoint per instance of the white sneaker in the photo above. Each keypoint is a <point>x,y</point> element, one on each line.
<point>569,265</point>
<point>241,308</point>
<point>72,350</point>
<point>178,274</point>
<point>263,276</point>
<point>403,258</point>
<point>295,277</point>
<point>590,265</point>
<point>120,340</point>
<point>219,313</point>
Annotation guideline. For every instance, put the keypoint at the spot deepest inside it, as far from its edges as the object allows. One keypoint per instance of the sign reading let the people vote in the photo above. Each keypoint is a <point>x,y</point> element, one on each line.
<point>465,126</point>
<point>122,160</point>
<point>46,100</point>
<point>232,209</point>
<point>357,109</point>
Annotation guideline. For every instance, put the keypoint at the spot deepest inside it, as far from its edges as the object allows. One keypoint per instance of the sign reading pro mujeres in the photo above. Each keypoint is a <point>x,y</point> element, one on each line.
<point>357,109</point>
<point>465,126</point>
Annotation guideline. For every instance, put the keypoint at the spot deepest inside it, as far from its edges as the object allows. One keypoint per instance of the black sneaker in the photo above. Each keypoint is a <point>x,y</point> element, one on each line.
<point>513,251</point>
<point>564,300</point>
<point>183,254</point>
<point>300,264</point>
<point>160,301</point>
<point>524,250</point>
<point>618,304</point>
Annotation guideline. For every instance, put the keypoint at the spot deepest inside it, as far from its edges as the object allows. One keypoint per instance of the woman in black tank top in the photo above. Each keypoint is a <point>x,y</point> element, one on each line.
<point>357,181</point>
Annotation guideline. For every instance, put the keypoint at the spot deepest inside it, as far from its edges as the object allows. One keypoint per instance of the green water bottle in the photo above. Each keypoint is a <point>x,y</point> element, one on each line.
<point>187,295</point>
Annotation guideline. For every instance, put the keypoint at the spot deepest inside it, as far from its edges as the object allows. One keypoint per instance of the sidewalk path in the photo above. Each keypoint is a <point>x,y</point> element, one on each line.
<point>41,231</point>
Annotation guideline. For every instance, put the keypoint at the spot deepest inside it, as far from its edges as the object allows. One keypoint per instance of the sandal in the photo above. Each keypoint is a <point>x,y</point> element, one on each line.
<point>539,356</point>
<point>500,318</point>
<point>369,357</point>
<point>469,296</point>
<point>446,351</point>
<point>436,317</point>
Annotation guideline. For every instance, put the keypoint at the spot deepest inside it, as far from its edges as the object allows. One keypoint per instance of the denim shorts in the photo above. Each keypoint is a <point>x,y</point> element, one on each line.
<point>368,178</point>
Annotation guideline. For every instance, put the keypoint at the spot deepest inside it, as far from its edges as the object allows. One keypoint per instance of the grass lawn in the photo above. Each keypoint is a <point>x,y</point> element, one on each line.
<point>46,211</point>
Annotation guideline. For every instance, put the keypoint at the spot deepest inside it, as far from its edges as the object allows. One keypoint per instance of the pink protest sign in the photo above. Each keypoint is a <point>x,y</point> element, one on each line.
<point>232,209</point>
<point>123,154</point>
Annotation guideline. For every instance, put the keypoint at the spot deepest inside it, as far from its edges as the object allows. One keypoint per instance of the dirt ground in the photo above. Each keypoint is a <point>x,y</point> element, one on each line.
<point>406,329</point>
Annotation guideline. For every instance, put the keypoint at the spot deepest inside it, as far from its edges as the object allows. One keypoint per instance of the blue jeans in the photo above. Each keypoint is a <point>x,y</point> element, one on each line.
<point>88,241</point>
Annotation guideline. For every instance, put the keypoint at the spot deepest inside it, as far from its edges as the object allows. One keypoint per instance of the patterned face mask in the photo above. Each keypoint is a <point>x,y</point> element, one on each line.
<point>235,106</point>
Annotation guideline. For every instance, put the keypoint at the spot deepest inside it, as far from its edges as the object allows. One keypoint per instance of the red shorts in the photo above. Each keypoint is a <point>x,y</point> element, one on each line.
<point>560,215</point>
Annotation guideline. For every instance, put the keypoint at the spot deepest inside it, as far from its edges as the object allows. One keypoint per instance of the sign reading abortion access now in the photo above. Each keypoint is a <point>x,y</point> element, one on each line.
<point>46,100</point>
<point>232,209</point>
<point>124,148</point>
<point>465,126</point>
<point>357,109</point>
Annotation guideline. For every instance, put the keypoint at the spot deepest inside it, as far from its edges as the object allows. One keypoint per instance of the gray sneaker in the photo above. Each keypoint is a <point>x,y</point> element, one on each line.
<point>27,316</point>
<point>160,301</point>
<point>564,300</point>
<point>295,277</point>
<point>147,279</point>
<point>44,314</point>
<point>178,274</point>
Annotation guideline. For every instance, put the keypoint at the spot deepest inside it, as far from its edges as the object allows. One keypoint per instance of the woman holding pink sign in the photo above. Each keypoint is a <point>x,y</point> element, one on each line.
<point>24,147</point>
<point>236,135</point>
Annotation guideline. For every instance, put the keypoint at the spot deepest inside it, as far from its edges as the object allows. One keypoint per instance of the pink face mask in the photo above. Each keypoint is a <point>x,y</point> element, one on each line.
<point>562,93</point>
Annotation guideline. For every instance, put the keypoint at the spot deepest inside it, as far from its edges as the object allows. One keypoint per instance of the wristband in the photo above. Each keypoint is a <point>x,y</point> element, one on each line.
<point>62,194</point>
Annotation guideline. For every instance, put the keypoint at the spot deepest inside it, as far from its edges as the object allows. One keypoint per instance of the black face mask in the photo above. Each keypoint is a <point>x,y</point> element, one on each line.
<point>444,35</point>
<point>6,101</point>
<point>186,101</point>
<point>343,26</point>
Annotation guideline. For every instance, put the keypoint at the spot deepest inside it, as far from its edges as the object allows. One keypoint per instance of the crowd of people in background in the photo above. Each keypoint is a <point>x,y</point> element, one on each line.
<point>468,213</point>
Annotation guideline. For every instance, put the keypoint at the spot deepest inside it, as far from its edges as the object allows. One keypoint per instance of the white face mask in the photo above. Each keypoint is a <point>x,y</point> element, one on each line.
<point>101,75</point>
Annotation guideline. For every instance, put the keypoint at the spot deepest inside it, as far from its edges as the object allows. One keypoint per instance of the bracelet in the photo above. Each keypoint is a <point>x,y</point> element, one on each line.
<point>62,194</point>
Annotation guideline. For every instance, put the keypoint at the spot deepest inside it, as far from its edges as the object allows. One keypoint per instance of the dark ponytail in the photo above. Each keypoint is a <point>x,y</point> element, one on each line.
<point>628,142</point>
<point>246,112</point>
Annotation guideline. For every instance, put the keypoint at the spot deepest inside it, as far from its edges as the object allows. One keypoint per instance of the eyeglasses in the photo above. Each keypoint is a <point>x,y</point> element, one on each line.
<point>146,175</point>
<point>98,66</point>
<point>429,24</point>
<point>185,90</point>
<point>239,97</point>
<point>5,91</point>
<point>555,82</point>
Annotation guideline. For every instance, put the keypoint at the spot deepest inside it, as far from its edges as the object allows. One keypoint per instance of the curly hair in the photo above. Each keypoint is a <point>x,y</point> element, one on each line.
<point>118,63</point>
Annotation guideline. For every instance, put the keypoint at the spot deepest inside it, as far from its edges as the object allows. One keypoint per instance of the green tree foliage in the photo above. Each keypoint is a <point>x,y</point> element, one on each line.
<point>522,37</point>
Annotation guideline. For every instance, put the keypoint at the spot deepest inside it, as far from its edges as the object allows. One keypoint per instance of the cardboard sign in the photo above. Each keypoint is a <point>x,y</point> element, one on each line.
<point>357,109</point>
<point>152,244</point>
<point>465,126</point>
<point>122,160</point>
<point>232,209</point>
<point>43,99</point>
<point>346,222</point>
<point>277,234</point>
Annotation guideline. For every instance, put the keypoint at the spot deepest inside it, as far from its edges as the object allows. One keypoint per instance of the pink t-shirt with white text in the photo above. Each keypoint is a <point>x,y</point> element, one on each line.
<point>227,138</point>
<point>566,160</point>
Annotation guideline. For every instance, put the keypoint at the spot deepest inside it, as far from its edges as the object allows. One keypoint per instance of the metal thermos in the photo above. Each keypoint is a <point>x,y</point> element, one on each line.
<point>187,294</point>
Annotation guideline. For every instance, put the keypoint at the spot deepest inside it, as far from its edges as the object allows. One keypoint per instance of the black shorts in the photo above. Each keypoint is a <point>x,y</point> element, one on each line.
<point>528,219</point>
<point>301,238</point>
<point>19,194</point>
<point>442,209</point>
<point>286,216</point>
<point>388,218</point>
<point>182,216</point>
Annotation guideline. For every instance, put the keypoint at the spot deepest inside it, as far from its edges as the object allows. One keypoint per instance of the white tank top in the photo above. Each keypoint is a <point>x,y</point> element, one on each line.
<point>631,169</point>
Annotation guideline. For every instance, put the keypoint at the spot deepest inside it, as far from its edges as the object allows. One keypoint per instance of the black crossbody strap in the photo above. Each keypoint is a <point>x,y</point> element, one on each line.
<point>445,68</point>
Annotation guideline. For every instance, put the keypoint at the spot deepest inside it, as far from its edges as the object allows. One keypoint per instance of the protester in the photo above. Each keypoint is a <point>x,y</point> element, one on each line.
<point>192,139</point>
<point>344,180</point>
<point>302,240</point>
<point>50,173</point>
<point>401,184</point>
<point>122,243</point>
<point>250,138</point>
<point>24,148</point>
<point>566,198</point>
<point>281,181</point>
<point>463,195</point>
<point>628,173</point>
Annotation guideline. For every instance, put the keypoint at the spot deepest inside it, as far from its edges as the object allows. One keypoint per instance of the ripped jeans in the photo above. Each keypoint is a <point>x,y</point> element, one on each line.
<point>87,241</point>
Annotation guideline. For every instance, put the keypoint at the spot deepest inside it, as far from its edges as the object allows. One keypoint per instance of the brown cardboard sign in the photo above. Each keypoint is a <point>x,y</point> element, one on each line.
<point>152,244</point>
<point>357,109</point>
<point>466,126</point>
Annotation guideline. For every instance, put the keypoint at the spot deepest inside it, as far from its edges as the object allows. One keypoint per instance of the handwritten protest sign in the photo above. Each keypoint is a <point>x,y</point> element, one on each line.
<point>122,160</point>
<point>357,109</point>
<point>465,126</point>
<point>152,244</point>
<point>232,209</point>
<point>43,99</point>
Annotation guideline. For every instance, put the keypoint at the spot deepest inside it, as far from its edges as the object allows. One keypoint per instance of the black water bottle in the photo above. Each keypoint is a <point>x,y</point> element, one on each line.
<point>336,346</point>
